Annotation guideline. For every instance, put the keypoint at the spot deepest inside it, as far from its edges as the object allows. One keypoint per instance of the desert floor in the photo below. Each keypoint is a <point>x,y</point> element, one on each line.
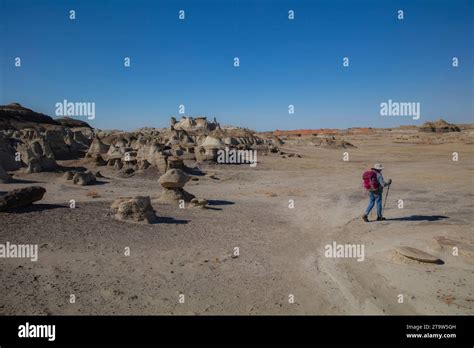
<point>81,250</point>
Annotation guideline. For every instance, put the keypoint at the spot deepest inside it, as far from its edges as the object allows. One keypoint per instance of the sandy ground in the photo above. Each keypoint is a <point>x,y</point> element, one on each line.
<point>281,249</point>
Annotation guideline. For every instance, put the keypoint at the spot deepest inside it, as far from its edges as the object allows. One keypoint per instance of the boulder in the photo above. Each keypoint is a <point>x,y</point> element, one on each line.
<point>21,197</point>
<point>68,176</point>
<point>82,179</point>
<point>137,209</point>
<point>115,204</point>
<point>201,203</point>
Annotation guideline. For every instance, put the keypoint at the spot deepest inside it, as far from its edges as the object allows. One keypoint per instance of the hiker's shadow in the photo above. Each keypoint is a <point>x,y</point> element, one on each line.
<point>419,218</point>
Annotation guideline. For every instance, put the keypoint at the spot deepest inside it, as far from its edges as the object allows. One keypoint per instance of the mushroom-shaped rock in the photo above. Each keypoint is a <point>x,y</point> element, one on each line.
<point>173,196</point>
<point>174,178</point>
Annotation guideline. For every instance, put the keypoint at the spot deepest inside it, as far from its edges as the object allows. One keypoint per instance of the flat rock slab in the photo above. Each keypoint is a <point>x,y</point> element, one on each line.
<point>465,249</point>
<point>444,241</point>
<point>417,254</point>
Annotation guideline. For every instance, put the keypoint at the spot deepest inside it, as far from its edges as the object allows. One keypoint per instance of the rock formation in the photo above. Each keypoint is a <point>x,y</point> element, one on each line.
<point>42,141</point>
<point>8,154</point>
<point>97,148</point>
<point>208,150</point>
<point>84,179</point>
<point>191,124</point>
<point>137,209</point>
<point>21,197</point>
<point>80,178</point>
<point>173,182</point>
<point>4,176</point>
<point>440,126</point>
<point>39,140</point>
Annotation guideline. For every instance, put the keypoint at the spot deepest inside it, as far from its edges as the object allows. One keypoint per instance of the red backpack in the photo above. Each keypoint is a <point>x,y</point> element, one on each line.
<point>370,180</point>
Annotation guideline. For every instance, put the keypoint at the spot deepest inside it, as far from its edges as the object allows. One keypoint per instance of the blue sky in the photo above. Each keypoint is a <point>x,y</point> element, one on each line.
<point>282,62</point>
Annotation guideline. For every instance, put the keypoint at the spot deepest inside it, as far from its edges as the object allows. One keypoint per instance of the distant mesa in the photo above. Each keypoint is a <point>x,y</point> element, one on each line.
<point>15,116</point>
<point>322,131</point>
<point>301,132</point>
<point>440,126</point>
<point>71,122</point>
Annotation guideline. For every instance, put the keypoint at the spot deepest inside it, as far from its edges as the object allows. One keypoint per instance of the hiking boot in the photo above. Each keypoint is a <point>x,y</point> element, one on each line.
<point>364,217</point>
<point>381,218</point>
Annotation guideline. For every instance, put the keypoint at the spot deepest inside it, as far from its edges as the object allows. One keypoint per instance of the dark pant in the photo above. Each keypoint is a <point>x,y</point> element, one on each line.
<point>375,197</point>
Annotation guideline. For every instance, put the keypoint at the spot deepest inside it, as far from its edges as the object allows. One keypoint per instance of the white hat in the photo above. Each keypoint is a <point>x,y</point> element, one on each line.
<point>378,166</point>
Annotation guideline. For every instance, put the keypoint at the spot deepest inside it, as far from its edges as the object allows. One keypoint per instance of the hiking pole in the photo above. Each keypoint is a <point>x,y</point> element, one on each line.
<point>385,203</point>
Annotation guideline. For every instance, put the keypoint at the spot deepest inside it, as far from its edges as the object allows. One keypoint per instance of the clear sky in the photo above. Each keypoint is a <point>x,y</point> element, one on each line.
<point>282,61</point>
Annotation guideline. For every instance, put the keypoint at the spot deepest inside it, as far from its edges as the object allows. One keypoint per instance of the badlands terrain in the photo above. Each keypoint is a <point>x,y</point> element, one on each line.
<point>162,195</point>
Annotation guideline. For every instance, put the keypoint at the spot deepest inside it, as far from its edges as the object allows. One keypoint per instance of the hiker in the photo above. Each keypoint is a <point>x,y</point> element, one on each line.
<point>374,183</point>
